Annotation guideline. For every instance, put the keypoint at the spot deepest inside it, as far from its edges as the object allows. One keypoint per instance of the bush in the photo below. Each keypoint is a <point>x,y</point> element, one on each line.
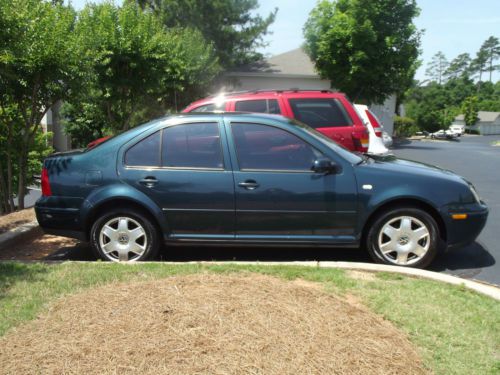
<point>405,126</point>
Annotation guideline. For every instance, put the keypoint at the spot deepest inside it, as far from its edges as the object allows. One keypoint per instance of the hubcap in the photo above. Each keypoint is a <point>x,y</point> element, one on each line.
<point>123,239</point>
<point>404,240</point>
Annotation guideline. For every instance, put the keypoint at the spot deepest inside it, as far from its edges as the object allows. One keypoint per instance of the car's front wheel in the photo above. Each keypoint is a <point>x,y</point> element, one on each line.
<point>124,236</point>
<point>407,237</point>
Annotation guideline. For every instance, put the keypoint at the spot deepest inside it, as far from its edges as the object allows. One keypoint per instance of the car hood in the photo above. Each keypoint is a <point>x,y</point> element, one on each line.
<point>390,163</point>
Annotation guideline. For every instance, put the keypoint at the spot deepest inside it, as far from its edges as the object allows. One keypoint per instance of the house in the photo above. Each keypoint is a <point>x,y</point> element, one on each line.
<point>51,122</point>
<point>488,123</point>
<point>292,69</point>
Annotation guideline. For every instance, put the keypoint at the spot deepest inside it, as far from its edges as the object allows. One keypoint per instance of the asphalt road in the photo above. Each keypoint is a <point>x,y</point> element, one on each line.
<point>477,160</point>
<point>473,157</point>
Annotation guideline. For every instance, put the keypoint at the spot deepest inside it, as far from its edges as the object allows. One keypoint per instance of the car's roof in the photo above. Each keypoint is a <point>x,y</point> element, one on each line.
<point>265,94</point>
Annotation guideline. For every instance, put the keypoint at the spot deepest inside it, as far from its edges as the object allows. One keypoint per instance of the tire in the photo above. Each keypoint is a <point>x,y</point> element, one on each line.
<point>407,237</point>
<point>124,235</point>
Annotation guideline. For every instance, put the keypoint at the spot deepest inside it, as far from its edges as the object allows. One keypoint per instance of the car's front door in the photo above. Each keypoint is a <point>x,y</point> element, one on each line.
<point>279,197</point>
<point>183,169</point>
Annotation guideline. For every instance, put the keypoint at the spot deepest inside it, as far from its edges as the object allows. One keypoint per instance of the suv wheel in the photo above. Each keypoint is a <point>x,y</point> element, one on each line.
<point>124,236</point>
<point>407,237</point>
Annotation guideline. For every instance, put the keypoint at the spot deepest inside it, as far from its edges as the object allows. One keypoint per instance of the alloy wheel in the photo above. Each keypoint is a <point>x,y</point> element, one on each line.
<point>404,240</point>
<point>123,239</point>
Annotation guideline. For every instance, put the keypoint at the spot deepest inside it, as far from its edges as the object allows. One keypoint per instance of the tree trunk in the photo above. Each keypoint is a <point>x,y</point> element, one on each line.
<point>10,197</point>
<point>4,206</point>
<point>21,183</point>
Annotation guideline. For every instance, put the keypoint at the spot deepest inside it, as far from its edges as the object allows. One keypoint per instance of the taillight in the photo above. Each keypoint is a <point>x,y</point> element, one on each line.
<point>375,124</point>
<point>46,191</point>
<point>361,140</point>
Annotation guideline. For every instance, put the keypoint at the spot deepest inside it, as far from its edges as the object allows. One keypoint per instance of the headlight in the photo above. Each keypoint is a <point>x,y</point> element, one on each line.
<point>474,193</point>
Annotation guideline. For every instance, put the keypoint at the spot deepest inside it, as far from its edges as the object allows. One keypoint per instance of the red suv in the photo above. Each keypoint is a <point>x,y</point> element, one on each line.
<point>331,113</point>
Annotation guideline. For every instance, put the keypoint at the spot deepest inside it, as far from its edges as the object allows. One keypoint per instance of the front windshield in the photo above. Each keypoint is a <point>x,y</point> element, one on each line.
<point>339,149</point>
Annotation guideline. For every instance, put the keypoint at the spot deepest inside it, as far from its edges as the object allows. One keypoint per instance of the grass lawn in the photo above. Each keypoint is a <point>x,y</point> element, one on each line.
<point>457,331</point>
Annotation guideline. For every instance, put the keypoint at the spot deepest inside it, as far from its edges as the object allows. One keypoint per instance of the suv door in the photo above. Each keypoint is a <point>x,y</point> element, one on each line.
<point>184,168</point>
<point>271,105</point>
<point>279,197</point>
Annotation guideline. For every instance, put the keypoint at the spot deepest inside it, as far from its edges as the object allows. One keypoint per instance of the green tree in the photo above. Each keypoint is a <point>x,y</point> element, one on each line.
<point>437,67</point>
<point>491,48</point>
<point>38,67</point>
<point>458,67</point>
<point>367,48</point>
<point>470,110</point>
<point>479,63</point>
<point>138,69</point>
<point>233,27</point>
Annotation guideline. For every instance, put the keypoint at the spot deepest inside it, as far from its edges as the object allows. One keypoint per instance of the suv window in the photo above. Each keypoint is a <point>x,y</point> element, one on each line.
<point>258,106</point>
<point>265,147</point>
<point>145,153</point>
<point>192,146</point>
<point>210,107</point>
<point>320,113</point>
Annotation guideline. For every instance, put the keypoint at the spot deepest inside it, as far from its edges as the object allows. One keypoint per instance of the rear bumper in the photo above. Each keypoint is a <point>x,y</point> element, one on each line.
<point>59,221</point>
<point>463,232</point>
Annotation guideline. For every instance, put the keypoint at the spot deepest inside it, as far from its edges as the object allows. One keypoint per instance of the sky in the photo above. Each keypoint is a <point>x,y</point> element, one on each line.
<point>450,26</point>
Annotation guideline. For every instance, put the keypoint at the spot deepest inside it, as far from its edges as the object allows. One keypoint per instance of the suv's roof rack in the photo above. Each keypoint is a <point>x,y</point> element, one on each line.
<point>293,89</point>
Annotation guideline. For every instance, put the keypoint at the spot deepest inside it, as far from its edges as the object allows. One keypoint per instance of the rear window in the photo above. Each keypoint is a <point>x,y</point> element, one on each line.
<point>258,106</point>
<point>320,113</point>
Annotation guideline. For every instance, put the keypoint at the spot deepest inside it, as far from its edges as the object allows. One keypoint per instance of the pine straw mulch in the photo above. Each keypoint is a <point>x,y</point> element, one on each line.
<point>36,247</point>
<point>208,324</point>
<point>16,219</point>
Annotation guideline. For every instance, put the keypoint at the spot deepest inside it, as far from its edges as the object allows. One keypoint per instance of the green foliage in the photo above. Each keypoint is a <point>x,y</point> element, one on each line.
<point>137,70</point>
<point>231,25</point>
<point>459,67</point>
<point>405,126</point>
<point>470,109</point>
<point>367,48</point>
<point>39,65</point>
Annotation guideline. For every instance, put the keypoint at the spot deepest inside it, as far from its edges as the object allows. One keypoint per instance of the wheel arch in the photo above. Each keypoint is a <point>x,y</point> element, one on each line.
<point>112,203</point>
<point>406,203</point>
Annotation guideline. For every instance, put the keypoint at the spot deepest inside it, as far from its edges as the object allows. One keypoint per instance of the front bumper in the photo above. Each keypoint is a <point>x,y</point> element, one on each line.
<point>463,232</point>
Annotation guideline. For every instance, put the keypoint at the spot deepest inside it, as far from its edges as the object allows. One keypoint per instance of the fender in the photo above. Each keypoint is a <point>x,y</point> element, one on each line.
<point>120,191</point>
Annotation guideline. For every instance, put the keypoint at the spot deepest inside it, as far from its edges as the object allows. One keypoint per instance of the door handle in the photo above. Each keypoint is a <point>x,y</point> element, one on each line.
<point>249,185</point>
<point>149,181</point>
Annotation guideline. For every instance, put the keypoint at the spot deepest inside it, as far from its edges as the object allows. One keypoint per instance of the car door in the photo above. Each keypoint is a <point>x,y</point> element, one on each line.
<point>278,196</point>
<point>184,168</point>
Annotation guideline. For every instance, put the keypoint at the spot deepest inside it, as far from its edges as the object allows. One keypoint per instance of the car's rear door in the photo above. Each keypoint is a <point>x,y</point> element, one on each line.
<point>185,169</point>
<point>278,196</point>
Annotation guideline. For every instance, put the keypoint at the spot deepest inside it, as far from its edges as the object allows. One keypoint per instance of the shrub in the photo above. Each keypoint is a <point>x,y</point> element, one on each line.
<point>405,126</point>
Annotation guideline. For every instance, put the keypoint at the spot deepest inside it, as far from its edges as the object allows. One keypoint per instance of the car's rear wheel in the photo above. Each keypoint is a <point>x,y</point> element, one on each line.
<point>124,236</point>
<point>407,237</point>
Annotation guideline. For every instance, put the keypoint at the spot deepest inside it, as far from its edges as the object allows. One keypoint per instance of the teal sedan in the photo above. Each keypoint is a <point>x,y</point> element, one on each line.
<point>236,178</point>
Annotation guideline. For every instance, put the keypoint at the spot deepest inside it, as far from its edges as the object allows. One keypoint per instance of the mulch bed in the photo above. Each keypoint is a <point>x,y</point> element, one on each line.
<point>208,324</point>
<point>35,246</point>
<point>16,219</point>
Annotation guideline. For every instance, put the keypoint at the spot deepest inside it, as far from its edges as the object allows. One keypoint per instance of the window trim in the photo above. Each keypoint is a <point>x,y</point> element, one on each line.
<point>235,147</point>
<point>161,166</point>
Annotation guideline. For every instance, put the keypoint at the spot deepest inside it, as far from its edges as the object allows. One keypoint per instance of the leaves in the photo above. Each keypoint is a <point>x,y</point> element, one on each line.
<point>367,48</point>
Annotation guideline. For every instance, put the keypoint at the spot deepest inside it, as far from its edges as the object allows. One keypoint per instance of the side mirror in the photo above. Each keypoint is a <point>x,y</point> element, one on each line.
<point>324,165</point>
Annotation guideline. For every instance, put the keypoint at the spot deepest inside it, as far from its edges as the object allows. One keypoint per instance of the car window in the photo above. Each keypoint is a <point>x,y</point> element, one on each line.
<point>192,146</point>
<point>261,147</point>
<point>320,113</point>
<point>145,153</point>
<point>258,106</point>
<point>210,107</point>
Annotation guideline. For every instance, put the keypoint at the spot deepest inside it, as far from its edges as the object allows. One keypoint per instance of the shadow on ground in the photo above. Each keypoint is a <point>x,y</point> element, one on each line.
<point>465,262</point>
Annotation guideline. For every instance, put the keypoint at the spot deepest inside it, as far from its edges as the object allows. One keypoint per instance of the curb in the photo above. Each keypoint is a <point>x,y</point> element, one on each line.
<point>485,289</point>
<point>17,233</point>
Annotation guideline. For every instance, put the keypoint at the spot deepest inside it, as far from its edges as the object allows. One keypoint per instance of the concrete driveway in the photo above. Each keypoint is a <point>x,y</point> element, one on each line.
<point>477,160</point>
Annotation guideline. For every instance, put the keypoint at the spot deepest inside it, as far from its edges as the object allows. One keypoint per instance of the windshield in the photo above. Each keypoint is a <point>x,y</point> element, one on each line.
<point>339,149</point>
